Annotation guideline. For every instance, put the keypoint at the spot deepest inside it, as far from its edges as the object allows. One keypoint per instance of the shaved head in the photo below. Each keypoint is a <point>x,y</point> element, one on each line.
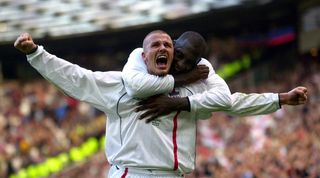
<point>189,48</point>
<point>195,41</point>
<point>158,52</point>
<point>146,39</point>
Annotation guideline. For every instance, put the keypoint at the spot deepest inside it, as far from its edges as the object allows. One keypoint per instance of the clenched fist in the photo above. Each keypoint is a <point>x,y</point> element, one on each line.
<point>296,96</point>
<point>25,44</point>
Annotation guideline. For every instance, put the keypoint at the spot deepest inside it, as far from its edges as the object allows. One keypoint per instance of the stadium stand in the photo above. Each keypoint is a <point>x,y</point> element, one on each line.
<point>38,122</point>
<point>71,17</point>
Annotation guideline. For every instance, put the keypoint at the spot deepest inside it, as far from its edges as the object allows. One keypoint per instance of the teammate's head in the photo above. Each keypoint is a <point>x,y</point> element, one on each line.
<point>188,50</point>
<point>158,52</point>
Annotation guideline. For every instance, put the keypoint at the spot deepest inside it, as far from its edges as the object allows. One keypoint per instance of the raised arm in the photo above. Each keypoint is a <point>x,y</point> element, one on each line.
<point>75,81</point>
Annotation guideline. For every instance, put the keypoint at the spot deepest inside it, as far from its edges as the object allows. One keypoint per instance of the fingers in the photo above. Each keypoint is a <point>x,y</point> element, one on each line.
<point>149,115</point>
<point>304,89</point>
<point>25,44</point>
<point>204,71</point>
<point>143,102</point>
<point>23,37</point>
<point>143,107</point>
<point>302,94</point>
<point>151,119</point>
<point>139,108</point>
<point>203,68</point>
<point>146,114</point>
<point>19,40</point>
<point>301,89</point>
<point>302,100</point>
<point>204,75</point>
<point>146,102</point>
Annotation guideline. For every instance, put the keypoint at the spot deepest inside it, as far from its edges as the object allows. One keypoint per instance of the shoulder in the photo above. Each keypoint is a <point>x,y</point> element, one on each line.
<point>136,52</point>
<point>205,62</point>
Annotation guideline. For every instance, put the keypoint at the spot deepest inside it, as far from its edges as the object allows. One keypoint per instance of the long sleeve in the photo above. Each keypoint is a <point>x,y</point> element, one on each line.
<point>82,84</point>
<point>214,99</point>
<point>217,96</point>
<point>253,104</point>
<point>139,83</point>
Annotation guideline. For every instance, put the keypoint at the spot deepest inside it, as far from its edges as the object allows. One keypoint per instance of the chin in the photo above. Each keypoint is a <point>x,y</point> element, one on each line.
<point>162,73</point>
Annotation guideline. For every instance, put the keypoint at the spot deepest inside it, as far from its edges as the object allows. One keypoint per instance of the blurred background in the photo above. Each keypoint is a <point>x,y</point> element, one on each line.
<point>255,45</point>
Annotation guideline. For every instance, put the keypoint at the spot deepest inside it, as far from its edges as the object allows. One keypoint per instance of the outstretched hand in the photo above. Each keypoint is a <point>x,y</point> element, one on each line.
<point>296,96</point>
<point>160,105</point>
<point>25,44</point>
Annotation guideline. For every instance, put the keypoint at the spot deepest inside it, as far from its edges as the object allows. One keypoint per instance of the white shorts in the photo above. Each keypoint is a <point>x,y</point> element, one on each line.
<point>118,172</point>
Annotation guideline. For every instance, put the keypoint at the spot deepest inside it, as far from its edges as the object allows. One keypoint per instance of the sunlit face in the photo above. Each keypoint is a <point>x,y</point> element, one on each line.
<point>185,58</point>
<point>158,53</point>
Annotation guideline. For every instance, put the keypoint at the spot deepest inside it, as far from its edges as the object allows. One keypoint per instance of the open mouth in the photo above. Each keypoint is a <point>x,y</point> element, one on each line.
<point>162,61</point>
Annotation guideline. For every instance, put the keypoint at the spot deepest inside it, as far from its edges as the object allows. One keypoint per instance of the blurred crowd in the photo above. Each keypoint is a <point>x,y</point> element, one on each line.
<point>38,121</point>
<point>283,144</point>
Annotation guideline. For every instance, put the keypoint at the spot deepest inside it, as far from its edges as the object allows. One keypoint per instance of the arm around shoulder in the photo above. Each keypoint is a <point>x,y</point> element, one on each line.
<point>139,83</point>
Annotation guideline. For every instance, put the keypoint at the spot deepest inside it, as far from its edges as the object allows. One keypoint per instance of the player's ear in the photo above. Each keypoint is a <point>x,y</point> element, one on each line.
<point>144,56</point>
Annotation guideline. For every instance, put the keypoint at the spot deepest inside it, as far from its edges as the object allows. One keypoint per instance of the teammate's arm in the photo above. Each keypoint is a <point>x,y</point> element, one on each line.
<point>265,103</point>
<point>203,104</point>
<point>242,104</point>
<point>140,84</point>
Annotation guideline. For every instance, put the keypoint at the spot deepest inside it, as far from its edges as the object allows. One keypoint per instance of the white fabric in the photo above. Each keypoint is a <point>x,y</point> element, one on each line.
<point>119,172</point>
<point>253,104</point>
<point>130,142</point>
<point>214,96</point>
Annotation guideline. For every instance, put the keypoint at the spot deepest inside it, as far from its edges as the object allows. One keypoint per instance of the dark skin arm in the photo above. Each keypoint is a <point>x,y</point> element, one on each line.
<point>296,96</point>
<point>161,105</point>
<point>198,73</point>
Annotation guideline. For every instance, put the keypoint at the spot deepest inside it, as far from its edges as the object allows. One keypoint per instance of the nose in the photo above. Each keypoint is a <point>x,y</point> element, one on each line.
<point>162,47</point>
